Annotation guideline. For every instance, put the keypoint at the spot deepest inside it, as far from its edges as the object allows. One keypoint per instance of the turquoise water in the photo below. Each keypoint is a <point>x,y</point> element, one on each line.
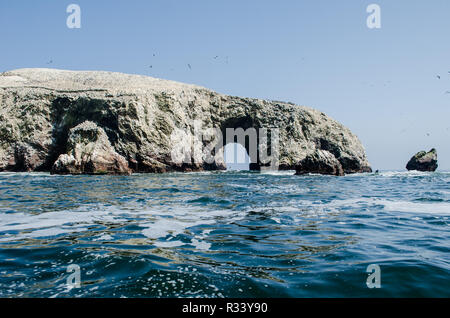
<point>225,234</point>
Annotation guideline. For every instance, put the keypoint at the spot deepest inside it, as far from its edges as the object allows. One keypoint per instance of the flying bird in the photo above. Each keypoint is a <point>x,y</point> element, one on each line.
<point>189,65</point>
<point>438,76</point>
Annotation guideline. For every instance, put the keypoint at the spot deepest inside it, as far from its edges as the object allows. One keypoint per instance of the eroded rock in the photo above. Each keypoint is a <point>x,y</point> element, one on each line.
<point>90,152</point>
<point>321,162</point>
<point>423,161</point>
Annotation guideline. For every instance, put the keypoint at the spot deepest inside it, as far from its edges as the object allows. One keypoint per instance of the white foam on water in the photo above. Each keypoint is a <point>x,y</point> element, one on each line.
<point>304,208</point>
<point>104,237</point>
<point>182,219</point>
<point>278,172</point>
<point>162,225</point>
<point>412,173</point>
<point>200,244</point>
<point>31,174</point>
<point>401,173</point>
<point>158,225</point>
<point>276,220</point>
<point>283,189</point>
<point>168,244</point>
<point>58,222</point>
<point>442,208</point>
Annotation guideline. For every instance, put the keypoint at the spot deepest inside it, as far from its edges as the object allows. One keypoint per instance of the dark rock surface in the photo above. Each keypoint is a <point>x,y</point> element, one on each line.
<point>423,161</point>
<point>322,162</point>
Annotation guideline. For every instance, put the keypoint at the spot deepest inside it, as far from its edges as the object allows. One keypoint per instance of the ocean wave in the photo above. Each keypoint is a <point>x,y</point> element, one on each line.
<point>156,225</point>
<point>412,173</point>
<point>130,235</point>
<point>168,223</point>
<point>369,205</point>
<point>278,172</point>
<point>416,207</point>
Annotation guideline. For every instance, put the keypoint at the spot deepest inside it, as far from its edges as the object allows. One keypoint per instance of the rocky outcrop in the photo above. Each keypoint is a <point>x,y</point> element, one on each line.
<point>321,162</point>
<point>142,120</point>
<point>423,161</point>
<point>90,152</point>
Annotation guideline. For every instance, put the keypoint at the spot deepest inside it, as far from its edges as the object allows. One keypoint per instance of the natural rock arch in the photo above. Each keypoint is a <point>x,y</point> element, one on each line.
<point>140,114</point>
<point>244,131</point>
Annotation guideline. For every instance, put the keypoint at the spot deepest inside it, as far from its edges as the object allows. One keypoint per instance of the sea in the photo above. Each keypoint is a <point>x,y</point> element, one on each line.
<point>225,234</point>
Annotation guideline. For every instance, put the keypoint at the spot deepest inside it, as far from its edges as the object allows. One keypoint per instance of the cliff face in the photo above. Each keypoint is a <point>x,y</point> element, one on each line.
<point>138,120</point>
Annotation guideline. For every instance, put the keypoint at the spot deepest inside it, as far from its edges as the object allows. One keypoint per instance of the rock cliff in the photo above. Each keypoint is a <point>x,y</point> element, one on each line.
<point>103,122</point>
<point>423,161</point>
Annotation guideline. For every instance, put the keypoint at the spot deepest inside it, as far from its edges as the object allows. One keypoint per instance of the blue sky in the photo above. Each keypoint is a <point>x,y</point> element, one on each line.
<point>381,83</point>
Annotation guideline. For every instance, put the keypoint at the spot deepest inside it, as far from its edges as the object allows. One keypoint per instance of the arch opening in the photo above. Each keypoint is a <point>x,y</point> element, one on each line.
<point>236,157</point>
<point>241,134</point>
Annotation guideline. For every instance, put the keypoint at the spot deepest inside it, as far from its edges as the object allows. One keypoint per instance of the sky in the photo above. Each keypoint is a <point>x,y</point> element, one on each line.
<point>382,83</point>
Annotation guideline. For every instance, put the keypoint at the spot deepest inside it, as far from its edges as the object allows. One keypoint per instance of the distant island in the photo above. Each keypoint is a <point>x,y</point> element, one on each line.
<point>92,122</point>
<point>423,161</point>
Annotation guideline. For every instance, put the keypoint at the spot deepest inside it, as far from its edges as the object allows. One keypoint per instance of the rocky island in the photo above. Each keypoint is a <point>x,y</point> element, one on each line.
<point>423,161</point>
<point>90,122</point>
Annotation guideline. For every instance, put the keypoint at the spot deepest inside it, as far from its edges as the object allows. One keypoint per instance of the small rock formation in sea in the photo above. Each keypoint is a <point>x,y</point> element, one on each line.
<point>104,122</point>
<point>320,161</point>
<point>90,152</point>
<point>423,161</point>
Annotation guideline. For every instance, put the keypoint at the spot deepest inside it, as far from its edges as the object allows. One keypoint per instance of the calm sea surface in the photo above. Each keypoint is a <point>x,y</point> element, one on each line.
<point>225,234</point>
